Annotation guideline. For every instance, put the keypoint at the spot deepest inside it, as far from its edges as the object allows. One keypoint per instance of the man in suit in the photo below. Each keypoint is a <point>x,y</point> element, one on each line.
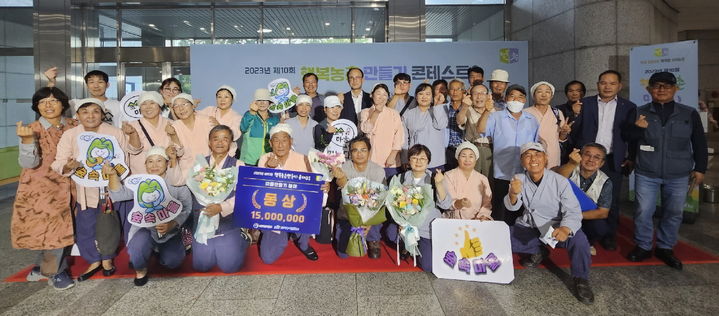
<point>356,99</point>
<point>608,119</point>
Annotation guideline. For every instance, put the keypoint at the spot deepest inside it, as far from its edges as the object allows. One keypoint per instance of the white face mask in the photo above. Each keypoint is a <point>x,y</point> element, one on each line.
<point>515,106</point>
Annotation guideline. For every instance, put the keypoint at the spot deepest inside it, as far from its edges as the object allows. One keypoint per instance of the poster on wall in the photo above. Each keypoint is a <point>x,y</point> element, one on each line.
<point>679,58</point>
<point>472,250</point>
<point>251,66</point>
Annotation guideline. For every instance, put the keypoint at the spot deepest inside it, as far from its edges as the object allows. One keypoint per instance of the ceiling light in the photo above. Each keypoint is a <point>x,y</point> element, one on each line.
<point>151,25</point>
<point>327,23</point>
<point>288,28</point>
<point>202,29</point>
<point>187,22</point>
<point>264,31</point>
<point>367,29</point>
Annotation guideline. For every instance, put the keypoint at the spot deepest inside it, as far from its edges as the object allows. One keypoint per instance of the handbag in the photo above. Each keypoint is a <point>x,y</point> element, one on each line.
<point>107,227</point>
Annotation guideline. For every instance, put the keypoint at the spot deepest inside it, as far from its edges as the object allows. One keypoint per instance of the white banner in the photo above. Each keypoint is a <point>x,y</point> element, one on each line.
<point>472,250</point>
<point>679,58</point>
<point>252,66</point>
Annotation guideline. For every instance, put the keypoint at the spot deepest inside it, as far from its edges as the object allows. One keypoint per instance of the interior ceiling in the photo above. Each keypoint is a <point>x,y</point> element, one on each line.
<point>696,14</point>
<point>303,22</point>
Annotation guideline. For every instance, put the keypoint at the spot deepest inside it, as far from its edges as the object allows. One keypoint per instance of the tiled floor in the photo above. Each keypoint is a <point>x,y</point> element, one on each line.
<point>648,290</point>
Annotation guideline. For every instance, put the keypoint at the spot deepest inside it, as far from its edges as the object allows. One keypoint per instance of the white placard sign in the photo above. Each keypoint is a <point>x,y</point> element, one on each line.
<point>283,98</point>
<point>472,250</point>
<point>130,106</point>
<point>95,150</point>
<point>346,130</point>
<point>153,202</point>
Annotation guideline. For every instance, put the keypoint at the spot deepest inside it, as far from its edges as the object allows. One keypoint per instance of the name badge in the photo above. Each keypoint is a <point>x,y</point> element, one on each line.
<point>646,148</point>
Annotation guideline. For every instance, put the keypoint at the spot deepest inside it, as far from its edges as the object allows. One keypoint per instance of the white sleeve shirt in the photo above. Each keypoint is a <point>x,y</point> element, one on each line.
<point>605,122</point>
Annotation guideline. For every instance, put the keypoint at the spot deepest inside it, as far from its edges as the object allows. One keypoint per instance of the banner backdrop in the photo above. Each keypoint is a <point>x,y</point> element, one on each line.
<point>679,58</point>
<point>252,66</point>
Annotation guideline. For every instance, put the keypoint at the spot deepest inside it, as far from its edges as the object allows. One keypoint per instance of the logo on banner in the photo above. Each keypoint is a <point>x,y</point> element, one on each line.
<point>472,250</point>
<point>96,149</point>
<point>509,55</point>
<point>130,105</point>
<point>660,52</point>
<point>346,130</point>
<point>282,96</point>
<point>153,202</point>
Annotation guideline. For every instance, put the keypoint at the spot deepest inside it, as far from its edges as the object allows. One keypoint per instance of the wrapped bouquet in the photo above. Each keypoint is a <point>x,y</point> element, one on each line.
<point>364,202</point>
<point>322,163</point>
<point>209,185</point>
<point>407,205</point>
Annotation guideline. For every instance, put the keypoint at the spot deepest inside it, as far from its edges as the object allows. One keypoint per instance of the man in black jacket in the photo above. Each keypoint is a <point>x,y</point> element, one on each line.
<point>671,147</point>
<point>607,119</point>
<point>356,99</point>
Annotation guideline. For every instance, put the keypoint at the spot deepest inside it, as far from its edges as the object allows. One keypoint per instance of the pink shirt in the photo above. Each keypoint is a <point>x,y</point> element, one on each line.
<point>68,149</point>
<point>475,188</point>
<point>549,133</point>
<point>231,119</point>
<point>194,141</point>
<point>386,135</point>
<point>295,162</point>
<point>159,137</point>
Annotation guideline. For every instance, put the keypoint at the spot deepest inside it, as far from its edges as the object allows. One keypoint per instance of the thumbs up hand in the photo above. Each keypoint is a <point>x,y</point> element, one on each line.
<point>472,247</point>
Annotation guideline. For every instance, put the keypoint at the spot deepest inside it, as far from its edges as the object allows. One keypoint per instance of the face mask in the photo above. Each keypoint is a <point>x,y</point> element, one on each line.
<point>515,106</point>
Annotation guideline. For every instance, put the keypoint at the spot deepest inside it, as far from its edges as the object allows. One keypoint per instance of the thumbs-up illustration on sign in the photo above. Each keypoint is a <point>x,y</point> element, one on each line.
<point>472,247</point>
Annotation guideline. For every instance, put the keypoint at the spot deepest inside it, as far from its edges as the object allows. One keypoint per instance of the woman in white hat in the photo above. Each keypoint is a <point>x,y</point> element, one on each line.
<point>255,127</point>
<point>90,113</point>
<point>553,127</point>
<point>152,129</point>
<point>469,189</point>
<point>224,114</point>
<point>191,129</point>
<point>163,239</point>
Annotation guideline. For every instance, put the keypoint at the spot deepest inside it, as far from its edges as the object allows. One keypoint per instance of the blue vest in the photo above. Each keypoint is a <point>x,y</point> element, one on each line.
<point>666,151</point>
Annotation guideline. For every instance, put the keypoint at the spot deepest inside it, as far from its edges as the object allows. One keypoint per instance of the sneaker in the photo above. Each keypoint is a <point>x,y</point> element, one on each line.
<point>592,250</point>
<point>62,281</point>
<point>35,275</point>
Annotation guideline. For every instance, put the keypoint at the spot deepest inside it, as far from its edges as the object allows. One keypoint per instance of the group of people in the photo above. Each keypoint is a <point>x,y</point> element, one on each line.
<point>485,153</point>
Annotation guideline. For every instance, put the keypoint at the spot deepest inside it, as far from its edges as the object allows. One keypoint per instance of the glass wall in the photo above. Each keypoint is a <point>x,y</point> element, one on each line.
<point>102,33</point>
<point>16,81</point>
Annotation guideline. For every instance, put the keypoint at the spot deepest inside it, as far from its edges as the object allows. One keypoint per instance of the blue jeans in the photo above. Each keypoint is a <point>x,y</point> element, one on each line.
<point>674,193</point>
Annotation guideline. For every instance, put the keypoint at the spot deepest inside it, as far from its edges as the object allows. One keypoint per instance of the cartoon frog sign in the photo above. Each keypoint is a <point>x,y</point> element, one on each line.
<point>283,98</point>
<point>150,195</point>
<point>153,202</point>
<point>96,149</point>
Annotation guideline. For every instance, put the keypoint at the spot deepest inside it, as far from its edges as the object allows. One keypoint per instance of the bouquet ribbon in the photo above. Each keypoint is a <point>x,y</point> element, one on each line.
<point>206,227</point>
<point>360,231</point>
<point>410,235</point>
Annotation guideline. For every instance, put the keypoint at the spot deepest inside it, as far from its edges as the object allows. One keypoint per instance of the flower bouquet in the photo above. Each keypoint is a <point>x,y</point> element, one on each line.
<point>322,163</point>
<point>209,185</point>
<point>407,205</point>
<point>364,202</point>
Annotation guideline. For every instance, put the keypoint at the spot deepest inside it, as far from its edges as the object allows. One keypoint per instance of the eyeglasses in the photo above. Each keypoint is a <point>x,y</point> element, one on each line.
<point>49,102</point>
<point>657,86</point>
<point>592,157</point>
<point>168,89</point>
<point>418,159</point>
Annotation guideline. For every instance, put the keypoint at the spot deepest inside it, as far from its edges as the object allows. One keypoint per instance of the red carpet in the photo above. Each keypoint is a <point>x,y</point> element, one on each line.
<point>293,262</point>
